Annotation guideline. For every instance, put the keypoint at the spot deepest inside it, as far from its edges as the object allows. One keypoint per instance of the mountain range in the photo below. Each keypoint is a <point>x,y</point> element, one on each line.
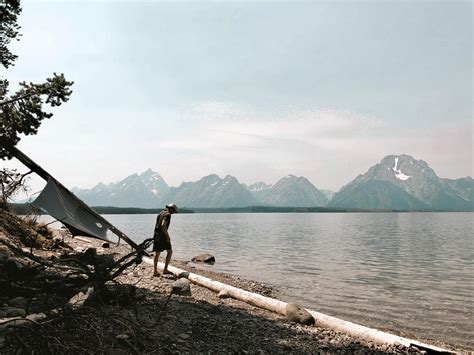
<point>289,191</point>
<point>144,190</point>
<point>398,182</point>
<point>404,183</point>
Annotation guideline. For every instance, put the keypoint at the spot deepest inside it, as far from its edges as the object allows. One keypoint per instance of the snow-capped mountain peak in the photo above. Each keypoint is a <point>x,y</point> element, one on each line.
<point>398,173</point>
<point>136,190</point>
<point>404,183</point>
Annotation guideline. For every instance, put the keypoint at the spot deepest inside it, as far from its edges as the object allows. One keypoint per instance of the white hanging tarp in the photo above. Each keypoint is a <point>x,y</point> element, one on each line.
<point>60,203</point>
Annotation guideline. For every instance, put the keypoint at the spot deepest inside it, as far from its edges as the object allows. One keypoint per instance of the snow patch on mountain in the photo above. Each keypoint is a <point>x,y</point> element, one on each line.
<point>398,173</point>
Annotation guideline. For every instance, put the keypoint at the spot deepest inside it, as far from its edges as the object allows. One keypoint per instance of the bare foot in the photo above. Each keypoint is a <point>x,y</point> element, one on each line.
<point>167,272</point>
<point>156,274</point>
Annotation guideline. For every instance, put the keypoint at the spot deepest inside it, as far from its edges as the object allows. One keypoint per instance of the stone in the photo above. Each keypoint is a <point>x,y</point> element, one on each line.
<point>57,240</point>
<point>13,267</point>
<point>5,254</point>
<point>204,258</point>
<point>15,312</point>
<point>90,254</point>
<point>184,336</point>
<point>80,298</point>
<point>223,294</point>
<point>106,245</point>
<point>181,287</point>
<point>296,313</point>
<point>19,302</point>
<point>122,337</point>
<point>184,274</point>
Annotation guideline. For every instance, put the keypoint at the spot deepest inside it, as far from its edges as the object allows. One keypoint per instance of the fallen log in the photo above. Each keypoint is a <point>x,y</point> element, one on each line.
<point>322,320</point>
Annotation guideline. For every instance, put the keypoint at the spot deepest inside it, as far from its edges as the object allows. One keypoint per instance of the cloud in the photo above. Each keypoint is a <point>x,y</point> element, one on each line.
<point>319,128</point>
<point>217,110</point>
<point>330,147</point>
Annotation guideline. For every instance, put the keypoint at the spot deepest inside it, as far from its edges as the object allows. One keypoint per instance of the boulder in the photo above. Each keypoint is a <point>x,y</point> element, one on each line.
<point>181,287</point>
<point>5,254</point>
<point>19,302</point>
<point>15,312</point>
<point>296,313</point>
<point>184,274</point>
<point>90,253</point>
<point>14,267</point>
<point>204,258</point>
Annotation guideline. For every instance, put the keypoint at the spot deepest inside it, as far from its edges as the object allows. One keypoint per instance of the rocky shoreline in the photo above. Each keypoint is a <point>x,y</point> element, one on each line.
<point>203,322</point>
<point>157,321</point>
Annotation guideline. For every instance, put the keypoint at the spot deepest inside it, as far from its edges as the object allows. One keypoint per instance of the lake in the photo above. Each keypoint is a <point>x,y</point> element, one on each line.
<point>407,273</point>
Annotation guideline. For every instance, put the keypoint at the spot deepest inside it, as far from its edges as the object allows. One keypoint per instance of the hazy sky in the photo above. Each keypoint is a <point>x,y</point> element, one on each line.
<point>257,90</point>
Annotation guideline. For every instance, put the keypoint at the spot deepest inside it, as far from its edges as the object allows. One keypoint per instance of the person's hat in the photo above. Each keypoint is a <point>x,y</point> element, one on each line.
<point>173,206</point>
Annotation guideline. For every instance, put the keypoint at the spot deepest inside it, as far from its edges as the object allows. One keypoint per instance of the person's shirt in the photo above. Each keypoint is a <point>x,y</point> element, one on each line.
<point>163,221</point>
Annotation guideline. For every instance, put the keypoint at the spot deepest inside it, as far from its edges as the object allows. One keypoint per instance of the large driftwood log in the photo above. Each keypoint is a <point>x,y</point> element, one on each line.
<point>322,320</point>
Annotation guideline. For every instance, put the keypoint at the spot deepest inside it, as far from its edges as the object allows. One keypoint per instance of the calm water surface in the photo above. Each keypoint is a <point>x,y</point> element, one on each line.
<point>409,273</point>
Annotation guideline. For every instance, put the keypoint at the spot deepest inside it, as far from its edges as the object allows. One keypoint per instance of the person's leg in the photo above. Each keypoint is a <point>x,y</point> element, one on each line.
<point>155,264</point>
<point>167,261</point>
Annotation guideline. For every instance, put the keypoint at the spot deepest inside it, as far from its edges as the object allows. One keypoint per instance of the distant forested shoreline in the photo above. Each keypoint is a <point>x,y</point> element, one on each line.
<point>25,208</point>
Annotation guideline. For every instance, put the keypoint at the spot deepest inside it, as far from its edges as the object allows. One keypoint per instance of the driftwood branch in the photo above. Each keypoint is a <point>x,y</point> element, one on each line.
<point>41,261</point>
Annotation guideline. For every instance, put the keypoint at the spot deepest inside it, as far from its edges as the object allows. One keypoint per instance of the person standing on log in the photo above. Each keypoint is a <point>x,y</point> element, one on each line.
<point>161,238</point>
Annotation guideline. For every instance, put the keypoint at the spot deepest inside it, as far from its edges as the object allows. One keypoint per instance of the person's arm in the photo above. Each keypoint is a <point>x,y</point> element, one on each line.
<point>164,228</point>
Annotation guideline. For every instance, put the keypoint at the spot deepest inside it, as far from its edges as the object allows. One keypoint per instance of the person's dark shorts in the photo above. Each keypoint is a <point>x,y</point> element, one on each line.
<point>160,244</point>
